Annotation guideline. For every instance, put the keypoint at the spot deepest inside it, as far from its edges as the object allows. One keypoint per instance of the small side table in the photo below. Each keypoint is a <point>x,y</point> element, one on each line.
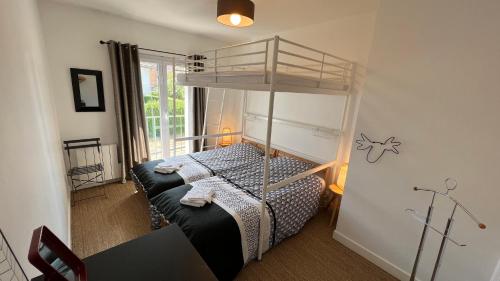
<point>335,202</point>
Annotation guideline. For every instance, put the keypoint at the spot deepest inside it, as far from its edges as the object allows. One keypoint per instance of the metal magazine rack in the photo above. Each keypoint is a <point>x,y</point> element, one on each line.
<point>451,185</point>
<point>10,269</point>
<point>85,164</point>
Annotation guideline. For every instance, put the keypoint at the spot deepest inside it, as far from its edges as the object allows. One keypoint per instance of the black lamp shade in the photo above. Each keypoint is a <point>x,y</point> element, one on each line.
<point>235,13</point>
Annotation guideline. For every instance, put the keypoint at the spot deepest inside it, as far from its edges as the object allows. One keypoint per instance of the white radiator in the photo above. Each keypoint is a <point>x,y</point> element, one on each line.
<point>90,156</point>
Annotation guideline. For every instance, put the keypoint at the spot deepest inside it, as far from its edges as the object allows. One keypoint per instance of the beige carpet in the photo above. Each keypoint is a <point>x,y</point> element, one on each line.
<point>101,223</point>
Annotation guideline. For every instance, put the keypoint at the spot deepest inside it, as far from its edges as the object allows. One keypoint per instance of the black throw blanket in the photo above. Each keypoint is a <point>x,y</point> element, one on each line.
<point>155,183</point>
<point>211,230</point>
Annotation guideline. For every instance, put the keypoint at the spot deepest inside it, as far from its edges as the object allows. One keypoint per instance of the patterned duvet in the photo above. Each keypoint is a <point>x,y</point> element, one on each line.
<point>233,218</point>
<point>195,166</point>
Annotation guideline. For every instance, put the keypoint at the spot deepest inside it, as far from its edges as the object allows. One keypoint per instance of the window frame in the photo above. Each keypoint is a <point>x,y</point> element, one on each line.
<point>164,63</point>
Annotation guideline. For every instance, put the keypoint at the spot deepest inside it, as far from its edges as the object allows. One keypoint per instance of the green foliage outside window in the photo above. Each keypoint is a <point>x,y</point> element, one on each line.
<point>152,109</point>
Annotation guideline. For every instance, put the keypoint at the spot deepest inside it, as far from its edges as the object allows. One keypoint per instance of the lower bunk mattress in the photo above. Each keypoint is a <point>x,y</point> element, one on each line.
<point>226,232</point>
<point>194,167</point>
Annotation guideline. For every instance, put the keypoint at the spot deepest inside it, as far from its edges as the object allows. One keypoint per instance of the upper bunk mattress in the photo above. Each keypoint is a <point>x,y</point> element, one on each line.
<point>248,78</point>
<point>226,232</point>
<point>194,167</point>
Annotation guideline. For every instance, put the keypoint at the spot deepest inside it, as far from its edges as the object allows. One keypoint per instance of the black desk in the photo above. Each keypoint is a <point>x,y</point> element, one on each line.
<point>165,254</point>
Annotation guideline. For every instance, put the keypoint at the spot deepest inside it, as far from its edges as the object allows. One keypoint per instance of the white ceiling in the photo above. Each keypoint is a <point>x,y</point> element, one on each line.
<point>198,16</point>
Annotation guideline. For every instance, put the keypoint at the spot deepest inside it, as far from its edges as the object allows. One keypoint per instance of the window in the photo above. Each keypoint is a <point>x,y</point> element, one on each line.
<point>157,77</point>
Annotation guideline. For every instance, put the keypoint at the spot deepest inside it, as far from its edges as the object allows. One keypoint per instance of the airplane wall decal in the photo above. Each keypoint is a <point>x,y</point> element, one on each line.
<point>376,149</point>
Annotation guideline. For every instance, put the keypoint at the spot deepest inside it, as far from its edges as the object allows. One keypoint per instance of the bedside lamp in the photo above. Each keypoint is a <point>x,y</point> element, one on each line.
<point>338,190</point>
<point>226,140</point>
<point>342,178</point>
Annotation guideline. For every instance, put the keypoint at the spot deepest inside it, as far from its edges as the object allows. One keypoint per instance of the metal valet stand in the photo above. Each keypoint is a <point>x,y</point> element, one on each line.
<point>450,184</point>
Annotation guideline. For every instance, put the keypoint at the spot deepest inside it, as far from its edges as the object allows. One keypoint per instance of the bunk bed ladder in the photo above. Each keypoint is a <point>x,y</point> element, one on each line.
<point>221,112</point>
<point>202,143</point>
<point>207,124</point>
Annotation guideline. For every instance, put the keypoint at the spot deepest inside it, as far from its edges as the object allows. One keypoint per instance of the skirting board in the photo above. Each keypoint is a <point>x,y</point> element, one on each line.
<point>371,256</point>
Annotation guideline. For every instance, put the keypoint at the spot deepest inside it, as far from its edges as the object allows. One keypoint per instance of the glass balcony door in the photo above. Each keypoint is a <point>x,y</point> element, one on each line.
<point>157,85</point>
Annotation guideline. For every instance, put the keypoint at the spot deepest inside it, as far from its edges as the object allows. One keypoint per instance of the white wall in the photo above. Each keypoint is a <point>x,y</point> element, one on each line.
<point>32,181</point>
<point>72,36</point>
<point>351,38</point>
<point>431,83</point>
<point>322,111</point>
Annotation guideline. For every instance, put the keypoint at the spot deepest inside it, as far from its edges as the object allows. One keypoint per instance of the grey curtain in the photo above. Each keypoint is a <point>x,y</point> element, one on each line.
<point>199,103</point>
<point>129,105</point>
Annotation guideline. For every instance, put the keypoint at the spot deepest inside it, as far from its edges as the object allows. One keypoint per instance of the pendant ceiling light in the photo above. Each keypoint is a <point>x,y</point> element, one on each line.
<point>235,13</point>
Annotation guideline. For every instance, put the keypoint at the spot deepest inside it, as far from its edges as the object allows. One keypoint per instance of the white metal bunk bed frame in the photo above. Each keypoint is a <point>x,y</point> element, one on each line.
<point>345,74</point>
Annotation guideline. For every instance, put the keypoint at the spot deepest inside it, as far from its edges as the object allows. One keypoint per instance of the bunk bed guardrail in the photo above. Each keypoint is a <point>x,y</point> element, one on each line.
<point>300,176</point>
<point>322,70</point>
<point>318,131</point>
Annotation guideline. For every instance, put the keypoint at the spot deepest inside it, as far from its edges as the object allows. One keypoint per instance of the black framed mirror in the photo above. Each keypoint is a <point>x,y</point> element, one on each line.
<point>88,91</point>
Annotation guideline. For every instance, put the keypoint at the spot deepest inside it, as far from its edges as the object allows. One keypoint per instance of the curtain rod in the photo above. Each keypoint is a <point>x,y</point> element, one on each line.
<point>146,49</point>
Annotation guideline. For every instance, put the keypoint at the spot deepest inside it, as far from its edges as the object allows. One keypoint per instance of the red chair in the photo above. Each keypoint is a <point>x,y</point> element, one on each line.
<point>56,261</point>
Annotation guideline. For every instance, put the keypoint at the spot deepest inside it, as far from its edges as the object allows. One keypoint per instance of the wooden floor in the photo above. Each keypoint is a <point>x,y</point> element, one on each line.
<point>100,223</point>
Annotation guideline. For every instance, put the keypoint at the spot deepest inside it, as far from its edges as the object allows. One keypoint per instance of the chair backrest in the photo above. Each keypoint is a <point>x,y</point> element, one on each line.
<point>56,261</point>
<point>83,143</point>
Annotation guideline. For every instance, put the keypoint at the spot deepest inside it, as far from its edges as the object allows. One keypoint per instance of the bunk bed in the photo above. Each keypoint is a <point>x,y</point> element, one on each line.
<point>270,65</point>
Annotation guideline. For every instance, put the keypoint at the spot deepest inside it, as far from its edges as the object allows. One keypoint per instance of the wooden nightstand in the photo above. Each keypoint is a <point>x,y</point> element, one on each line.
<point>335,202</point>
